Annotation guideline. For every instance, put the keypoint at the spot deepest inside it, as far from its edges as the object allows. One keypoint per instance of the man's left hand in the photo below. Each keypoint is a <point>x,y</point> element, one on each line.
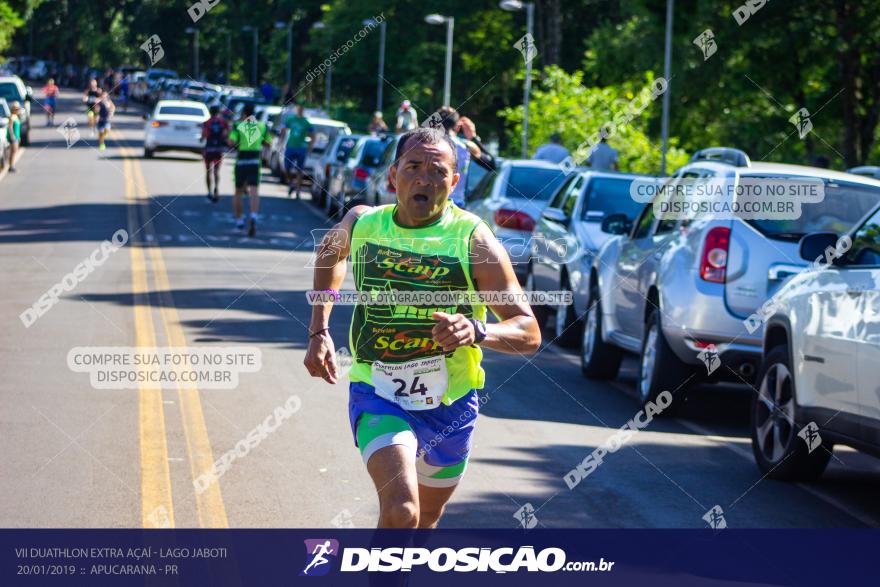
<point>452,331</point>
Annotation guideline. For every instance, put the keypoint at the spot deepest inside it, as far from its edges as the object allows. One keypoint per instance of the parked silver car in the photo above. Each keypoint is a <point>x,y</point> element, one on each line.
<point>678,292</point>
<point>331,161</point>
<point>511,200</point>
<point>567,237</point>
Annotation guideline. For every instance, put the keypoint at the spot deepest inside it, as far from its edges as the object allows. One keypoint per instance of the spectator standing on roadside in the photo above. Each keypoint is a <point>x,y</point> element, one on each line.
<point>481,156</point>
<point>13,133</point>
<point>553,151</point>
<point>406,118</point>
<point>377,124</point>
<point>268,92</point>
<point>603,157</point>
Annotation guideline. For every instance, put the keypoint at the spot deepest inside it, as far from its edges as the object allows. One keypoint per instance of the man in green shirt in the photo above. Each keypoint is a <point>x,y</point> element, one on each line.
<point>247,137</point>
<point>300,137</point>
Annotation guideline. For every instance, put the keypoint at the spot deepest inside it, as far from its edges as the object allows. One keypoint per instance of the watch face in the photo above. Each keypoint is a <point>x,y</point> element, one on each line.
<point>479,330</point>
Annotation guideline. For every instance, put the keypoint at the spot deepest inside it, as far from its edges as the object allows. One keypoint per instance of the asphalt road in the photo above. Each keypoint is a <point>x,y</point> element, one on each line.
<point>76,456</point>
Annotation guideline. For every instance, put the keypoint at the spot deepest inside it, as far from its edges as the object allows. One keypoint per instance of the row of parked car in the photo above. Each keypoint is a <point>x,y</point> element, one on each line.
<point>683,294</point>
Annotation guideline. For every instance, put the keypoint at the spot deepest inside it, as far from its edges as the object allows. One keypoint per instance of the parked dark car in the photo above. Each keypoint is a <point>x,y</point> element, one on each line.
<point>349,184</point>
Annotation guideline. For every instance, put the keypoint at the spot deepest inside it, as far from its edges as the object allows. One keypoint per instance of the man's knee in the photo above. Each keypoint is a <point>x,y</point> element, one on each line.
<point>400,515</point>
<point>428,518</point>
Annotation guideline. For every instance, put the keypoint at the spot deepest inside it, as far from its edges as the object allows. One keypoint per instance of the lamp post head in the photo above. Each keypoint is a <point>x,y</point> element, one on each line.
<point>435,19</point>
<point>511,5</point>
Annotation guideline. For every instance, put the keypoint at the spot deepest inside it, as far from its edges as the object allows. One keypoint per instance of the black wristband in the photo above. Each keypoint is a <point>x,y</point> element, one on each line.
<point>312,334</point>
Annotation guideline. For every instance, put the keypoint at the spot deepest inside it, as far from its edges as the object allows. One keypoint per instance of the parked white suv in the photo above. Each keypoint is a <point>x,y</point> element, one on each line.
<point>820,378</point>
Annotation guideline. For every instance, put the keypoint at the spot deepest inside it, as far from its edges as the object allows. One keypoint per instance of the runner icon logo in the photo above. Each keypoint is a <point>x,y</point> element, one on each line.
<point>801,121</point>
<point>320,553</point>
<point>715,518</point>
<point>526,46</point>
<point>706,42</point>
<point>810,434</point>
<point>153,48</point>
<point>526,516</point>
<point>68,130</point>
<point>709,357</point>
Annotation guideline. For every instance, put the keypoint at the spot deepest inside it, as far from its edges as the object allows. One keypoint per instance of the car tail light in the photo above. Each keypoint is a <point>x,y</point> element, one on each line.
<point>713,265</point>
<point>361,173</point>
<point>514,219</point>
<point>158,123</point>
<point>389,187</point>
<point>327,170</point>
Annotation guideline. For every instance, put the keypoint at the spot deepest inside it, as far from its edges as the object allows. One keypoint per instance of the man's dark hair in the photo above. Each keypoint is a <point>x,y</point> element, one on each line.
<point>449,117</point>
<point>555,138</point>
<point>427,136</point>
<point>247,109</point>
<point>214,110</point>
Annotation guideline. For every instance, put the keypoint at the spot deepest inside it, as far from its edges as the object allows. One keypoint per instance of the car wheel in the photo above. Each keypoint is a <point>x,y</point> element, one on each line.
<point>567,325</point>
<point>599,360</point>
<point>539,310</point>
<point>660,369</point>
<point>148,153</point>
<point>779,452</point>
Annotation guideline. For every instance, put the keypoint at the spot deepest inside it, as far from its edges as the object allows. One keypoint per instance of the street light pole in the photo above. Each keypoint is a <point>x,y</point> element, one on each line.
<point>512,6</point>
<point>289,27</point>
<point>447,78</point>
<point>256,56</point>
<point>195,33</point>
<point>381,76</point>
<point>329,82</point>
<point>228,55</point>
<point>667,67</point>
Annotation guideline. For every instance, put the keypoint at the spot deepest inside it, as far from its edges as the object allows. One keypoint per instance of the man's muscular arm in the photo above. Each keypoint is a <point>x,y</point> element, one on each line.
<point>330,268</point>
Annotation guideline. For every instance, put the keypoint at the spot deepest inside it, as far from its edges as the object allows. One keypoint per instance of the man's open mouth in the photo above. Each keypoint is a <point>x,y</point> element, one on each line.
<point>420,198</point>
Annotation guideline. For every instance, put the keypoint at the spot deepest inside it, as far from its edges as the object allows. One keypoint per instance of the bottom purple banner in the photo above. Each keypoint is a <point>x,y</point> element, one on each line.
<point>426,558</point>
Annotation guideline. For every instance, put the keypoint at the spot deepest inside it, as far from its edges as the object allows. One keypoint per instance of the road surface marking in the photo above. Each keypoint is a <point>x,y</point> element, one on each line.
<point>157,508</point>
<point>209,503</point>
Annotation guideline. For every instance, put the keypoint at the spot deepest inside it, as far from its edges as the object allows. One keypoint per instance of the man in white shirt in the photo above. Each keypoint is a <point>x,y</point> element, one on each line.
<point>406,118</point>
<point>553,151</point>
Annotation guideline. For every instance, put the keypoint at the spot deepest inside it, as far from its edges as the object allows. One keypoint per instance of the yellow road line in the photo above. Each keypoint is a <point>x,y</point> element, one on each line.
<point>209,503</point>
<point>157,509</point>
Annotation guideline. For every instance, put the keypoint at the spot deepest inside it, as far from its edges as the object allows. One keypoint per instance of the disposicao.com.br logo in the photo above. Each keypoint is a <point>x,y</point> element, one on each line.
<point>441,560</point>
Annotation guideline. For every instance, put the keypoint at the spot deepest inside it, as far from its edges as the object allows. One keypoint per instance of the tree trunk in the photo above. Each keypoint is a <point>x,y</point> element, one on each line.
<point>848,61</point>
<point>553,44</point>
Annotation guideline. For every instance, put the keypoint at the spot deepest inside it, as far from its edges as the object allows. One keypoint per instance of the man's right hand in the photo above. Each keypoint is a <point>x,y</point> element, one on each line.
<point>320,359</point>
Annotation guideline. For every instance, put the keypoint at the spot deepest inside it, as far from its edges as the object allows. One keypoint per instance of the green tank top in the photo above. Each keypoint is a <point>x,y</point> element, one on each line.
<point>387,256</point>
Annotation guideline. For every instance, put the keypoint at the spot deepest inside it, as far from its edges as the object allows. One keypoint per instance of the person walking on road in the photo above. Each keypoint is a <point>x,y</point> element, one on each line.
<point>603,157</point>
<point>247,137</point>
<point>406,118</point>
<point>106,109</point>
<point>416,370</point>
<point>553,151</point>
<point>90,98</point>
<point>13,133</point>
<point>377,124</point>
<point>300,138</point>
<point>215,132</point>
<point>50,95</point>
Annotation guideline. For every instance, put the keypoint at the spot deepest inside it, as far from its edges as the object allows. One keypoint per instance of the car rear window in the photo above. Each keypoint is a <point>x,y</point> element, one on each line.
<point>534,183</point>
<point>607,195</point>
<point>10,92</point>
<point>181,111</point>
<point>373,150</point>
<point>344,148</point>
<point>843,206</point>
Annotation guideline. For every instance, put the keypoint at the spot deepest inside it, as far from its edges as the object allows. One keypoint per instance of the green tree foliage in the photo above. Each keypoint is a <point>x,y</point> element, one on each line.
<point>562,103</point>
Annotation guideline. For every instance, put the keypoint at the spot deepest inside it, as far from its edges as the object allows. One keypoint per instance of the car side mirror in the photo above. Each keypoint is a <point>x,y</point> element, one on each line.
<point>555,215</point>
<point>616,224</point>
<point>813,246</point>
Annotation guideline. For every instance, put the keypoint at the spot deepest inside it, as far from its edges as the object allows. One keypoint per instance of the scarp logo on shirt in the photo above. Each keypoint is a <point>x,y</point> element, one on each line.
<point>250,129</point>
<point>320,552</point>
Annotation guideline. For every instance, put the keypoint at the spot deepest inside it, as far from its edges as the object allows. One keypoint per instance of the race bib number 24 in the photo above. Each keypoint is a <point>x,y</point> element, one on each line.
<point>413,385</point>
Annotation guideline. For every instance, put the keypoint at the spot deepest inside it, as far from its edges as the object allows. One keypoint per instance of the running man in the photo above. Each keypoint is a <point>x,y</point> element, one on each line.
<point>300,137</point>
<point>247,137</point>
<point>50,95</point>
<point>416,369</point>
<point>90,98</point>
<point>215,131</point>
<point>105,110</point>
<point>319,552</point>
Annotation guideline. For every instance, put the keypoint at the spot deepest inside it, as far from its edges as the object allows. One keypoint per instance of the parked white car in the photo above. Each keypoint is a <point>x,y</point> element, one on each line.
<point>820,378</point>
<point>175,125</point>
<point>325,131</point>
